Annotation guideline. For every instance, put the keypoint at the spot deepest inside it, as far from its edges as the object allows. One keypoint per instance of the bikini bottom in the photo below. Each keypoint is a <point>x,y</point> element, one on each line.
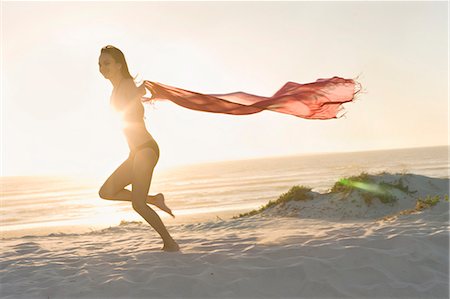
<point>149,144</point>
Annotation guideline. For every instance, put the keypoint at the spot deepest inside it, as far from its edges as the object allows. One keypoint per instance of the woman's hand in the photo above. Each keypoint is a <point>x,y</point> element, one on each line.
<point>143,87</point>
<point>152,90</point>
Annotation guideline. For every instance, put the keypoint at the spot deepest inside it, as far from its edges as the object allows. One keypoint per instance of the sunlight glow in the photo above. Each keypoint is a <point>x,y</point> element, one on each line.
<point>60,121</point>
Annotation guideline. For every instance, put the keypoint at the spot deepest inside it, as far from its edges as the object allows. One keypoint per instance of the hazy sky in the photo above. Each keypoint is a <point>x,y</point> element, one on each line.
<point>56,116</point>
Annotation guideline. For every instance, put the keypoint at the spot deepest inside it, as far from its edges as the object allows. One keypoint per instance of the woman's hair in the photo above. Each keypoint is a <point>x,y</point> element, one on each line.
<point>118,56</point>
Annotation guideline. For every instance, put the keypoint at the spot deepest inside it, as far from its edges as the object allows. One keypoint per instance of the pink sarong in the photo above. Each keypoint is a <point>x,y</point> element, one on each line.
<point>322,99</point>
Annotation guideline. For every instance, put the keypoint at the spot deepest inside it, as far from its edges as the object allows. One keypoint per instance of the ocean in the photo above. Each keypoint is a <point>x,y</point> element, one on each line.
<point>40,205</point>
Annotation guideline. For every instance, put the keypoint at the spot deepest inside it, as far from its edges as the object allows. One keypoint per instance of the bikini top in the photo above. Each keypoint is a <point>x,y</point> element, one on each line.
<point>131,108</point>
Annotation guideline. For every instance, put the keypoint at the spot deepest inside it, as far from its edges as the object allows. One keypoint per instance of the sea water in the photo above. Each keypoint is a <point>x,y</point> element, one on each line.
<point>43,204</point>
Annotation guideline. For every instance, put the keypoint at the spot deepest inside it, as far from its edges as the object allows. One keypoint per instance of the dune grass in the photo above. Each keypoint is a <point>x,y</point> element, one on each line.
<point>422,203</point>
<point>296,193</point>
<point>428,202</point>
<point>343,186</point>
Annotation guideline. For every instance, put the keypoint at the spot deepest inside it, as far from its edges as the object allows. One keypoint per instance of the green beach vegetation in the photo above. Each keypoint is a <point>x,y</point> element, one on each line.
<point>296,193</point>
<point>422,203</point>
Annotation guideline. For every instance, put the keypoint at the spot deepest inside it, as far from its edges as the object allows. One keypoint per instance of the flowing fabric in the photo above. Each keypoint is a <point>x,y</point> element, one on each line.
<point>322,99</point>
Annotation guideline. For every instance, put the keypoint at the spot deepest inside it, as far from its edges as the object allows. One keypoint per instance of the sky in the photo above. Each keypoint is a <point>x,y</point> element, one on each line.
<point>55,113</point>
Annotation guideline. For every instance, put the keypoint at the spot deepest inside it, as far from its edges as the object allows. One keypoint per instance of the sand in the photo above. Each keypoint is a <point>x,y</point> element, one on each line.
<point>325,247</point>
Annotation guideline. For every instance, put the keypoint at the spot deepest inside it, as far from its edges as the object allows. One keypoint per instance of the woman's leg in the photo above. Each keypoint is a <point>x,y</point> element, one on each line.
<point>114,187</point>
<point>117,181</point>
<point>143,165</point>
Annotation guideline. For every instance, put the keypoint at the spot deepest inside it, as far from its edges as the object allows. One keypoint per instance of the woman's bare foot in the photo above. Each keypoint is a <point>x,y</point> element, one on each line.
<point>171,246</point>
<point>158,200</point>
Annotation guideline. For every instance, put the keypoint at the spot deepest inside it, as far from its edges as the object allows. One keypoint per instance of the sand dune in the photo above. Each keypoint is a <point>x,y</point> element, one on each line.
<point>327,247</point>
<point>363,197</point>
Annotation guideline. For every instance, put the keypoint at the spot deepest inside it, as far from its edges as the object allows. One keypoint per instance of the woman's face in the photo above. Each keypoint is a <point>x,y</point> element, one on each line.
<point>108,66</point>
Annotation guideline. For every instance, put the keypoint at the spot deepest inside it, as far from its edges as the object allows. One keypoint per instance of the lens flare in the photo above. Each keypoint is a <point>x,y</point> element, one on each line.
<point>372,188</point>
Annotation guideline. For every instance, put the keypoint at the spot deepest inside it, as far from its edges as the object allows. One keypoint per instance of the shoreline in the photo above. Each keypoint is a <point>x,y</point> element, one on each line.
<point>181,219</point>
<point>328,201</point>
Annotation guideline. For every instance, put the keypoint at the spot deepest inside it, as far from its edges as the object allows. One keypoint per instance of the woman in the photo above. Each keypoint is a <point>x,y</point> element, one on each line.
<point>137,170</point>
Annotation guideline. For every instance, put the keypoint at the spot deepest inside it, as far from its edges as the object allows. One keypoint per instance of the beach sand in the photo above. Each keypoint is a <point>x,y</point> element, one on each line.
<point>341,244</point>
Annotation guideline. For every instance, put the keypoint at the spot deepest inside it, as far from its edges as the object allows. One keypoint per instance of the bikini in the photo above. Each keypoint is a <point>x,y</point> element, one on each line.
<point>149,144</point>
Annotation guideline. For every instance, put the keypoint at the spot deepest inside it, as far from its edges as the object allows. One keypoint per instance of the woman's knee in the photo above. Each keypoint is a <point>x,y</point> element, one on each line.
<point>105,192</point>
<point>118,180</point>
